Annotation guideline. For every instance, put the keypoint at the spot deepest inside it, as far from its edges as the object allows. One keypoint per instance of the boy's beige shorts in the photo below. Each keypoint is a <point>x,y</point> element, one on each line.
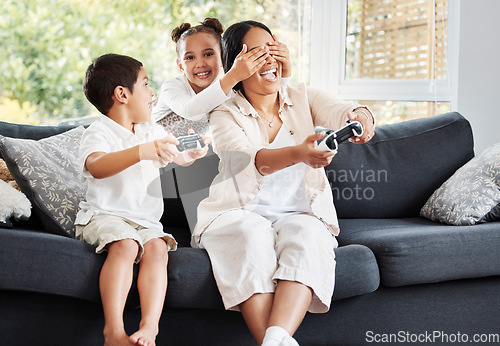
<point>105,229</point>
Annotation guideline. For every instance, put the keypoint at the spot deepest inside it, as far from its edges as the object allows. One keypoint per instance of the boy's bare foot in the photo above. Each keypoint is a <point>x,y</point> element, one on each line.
<point>116,339</point>
<point>145,336</point>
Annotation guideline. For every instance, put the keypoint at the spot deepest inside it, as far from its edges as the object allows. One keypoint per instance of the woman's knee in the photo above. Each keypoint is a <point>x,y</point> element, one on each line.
<point>239,228</point>
<point>305,229</point>
<point>307,243</point>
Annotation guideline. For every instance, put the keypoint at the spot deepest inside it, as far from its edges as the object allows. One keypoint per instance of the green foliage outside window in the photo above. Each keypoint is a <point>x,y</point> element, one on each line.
<point>46,45</point>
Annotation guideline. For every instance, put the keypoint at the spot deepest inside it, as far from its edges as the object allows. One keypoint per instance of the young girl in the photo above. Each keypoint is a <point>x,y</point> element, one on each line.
<point>185,100</point>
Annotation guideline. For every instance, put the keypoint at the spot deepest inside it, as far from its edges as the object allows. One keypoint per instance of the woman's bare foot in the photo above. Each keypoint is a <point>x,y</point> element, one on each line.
<point>145,336</point>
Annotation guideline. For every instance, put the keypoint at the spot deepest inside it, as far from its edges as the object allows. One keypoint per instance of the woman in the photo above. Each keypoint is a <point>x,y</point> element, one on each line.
<point>269,222</point>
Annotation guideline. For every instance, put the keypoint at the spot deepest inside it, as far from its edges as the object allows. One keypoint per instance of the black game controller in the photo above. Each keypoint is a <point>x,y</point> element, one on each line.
<point>189,142</point>
<point>332,138</point>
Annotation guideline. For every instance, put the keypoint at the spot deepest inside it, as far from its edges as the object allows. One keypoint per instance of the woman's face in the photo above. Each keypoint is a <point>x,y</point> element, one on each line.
<point>268,79</point>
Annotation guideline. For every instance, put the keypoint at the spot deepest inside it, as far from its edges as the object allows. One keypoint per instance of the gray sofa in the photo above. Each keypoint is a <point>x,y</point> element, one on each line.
<point>400,278</point>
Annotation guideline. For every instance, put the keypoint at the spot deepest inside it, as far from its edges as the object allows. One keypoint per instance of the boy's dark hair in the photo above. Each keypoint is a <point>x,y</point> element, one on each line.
<point>105,74</point>
<point>232,43</point>
<point>209,25</point>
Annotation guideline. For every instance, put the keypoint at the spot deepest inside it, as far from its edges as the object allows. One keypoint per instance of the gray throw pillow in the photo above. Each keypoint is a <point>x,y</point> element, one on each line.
<point>471,195</point>
<point>47,171</point>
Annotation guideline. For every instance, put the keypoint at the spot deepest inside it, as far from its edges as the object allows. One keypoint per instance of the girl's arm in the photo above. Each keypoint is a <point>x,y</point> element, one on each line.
<point>175,96</point>
<point>195,107</point>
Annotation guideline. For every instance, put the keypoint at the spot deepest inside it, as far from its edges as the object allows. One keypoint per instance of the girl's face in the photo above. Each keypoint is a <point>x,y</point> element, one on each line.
<point>199,59</point>
<point>268,79</point>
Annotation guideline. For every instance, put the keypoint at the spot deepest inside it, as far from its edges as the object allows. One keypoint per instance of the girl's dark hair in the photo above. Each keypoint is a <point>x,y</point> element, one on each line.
<point>209,25</point>
<point>232,43</point>
<point>105,74</point>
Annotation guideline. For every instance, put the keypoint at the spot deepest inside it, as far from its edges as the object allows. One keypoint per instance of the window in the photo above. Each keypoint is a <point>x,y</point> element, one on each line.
<point>389,54</point>
<point>48,44</point>
<point>393,55</point>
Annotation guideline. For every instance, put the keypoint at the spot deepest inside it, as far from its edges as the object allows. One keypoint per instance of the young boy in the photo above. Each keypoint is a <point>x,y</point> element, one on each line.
<point>119,156</point>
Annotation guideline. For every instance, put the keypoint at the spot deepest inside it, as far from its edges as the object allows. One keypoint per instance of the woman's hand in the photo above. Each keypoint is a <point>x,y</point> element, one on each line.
<point>313,157</point>
<point>367,120</point>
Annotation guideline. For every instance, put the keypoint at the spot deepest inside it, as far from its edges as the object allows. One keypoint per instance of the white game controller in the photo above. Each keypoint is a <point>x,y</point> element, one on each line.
<point>332,139</point>
<point>189,143</point>
<point>186,145</point>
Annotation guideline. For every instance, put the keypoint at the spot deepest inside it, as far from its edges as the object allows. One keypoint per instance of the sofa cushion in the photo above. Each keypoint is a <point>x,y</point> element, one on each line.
<point>356,273</point>
<point>417,250</point>
<point>394,174</point>
<point>47,263</point>
<point>471,195</point>
<point>35,132</point>
<point>47,172</point>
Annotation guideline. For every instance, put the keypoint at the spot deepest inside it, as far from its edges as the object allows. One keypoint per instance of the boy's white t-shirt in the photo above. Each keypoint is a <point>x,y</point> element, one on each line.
<point>178,97</point>
<point>135,193</point>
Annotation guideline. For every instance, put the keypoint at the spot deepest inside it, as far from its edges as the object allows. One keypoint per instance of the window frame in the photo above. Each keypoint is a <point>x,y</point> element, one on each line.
<point>328,51</point>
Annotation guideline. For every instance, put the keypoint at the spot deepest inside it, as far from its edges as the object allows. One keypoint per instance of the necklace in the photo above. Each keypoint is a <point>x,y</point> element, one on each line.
<point>270,122</point>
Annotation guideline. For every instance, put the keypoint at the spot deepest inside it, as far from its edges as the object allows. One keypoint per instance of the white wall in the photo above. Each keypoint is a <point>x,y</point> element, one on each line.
<point>477,92</point>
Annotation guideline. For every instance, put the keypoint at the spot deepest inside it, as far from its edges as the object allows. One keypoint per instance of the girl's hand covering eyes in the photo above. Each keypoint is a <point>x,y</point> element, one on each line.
<point>279,51</point>
<point>249,61</point>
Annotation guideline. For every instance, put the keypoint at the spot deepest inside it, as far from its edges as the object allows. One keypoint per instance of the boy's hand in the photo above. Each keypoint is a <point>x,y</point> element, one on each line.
<point>198,153</point>
<point>162,150</point>
<point>279,51</point>
<point>311,156</point>
<point>195,154</point>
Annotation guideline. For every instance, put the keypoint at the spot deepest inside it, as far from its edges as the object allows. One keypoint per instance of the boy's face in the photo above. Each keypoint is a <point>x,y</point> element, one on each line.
<point>140,100</point>
<point>200,60</point>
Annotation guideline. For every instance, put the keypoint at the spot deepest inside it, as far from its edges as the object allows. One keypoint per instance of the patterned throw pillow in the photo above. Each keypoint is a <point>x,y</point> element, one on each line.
<point>179,126</point>
<point>47,171</point>
<point>471,195</point>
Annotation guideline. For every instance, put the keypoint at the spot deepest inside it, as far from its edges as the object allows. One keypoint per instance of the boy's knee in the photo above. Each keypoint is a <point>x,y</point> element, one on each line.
<point>124,247</point>
<point>156,247</point>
